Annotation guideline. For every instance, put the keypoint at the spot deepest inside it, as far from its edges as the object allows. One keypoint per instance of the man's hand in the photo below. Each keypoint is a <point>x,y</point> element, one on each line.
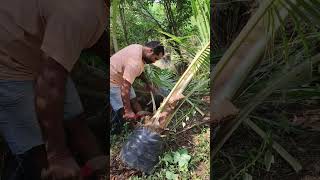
<point>144,113</point>
<point>129,115</point>
<point>96,166</point>
<point>63,168</point>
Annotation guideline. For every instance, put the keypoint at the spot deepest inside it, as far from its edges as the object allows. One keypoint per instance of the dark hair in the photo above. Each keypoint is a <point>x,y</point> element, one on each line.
<point>156,46</point>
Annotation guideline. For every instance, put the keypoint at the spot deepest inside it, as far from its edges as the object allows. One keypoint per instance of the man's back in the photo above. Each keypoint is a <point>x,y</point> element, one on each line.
<point>59,28</point>
<point>126,64</point>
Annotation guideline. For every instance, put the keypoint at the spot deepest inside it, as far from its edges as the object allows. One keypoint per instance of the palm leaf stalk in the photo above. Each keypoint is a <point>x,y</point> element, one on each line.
<point>239,59</point>
<point>234,67</point>
<point>180,86</point>
<point>243,54</point>
<point>165,112</point>
<point>280,81</point>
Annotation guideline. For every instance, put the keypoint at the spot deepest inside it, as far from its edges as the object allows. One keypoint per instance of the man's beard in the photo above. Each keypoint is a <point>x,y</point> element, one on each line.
<point>147,60</point>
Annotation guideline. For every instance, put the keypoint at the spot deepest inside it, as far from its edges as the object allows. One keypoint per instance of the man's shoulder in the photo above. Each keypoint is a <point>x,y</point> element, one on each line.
<point>133,51</point>
<point>134,46</point>
<point>73,10</point>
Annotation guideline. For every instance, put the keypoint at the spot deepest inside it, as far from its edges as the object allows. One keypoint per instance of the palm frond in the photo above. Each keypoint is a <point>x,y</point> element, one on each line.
<point>201,18</point>
<point>160,77</point>
<point>279,81</point>
<point>259,36</point>
<point>184,80</point>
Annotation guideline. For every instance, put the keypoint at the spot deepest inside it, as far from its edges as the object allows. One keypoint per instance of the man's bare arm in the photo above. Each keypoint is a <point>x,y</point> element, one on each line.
<point>125,95</point>
<point>49,96</point>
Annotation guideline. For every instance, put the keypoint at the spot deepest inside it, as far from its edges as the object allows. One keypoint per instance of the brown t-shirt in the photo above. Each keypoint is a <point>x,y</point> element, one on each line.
<point>126,64</point>
<point>59,28</point>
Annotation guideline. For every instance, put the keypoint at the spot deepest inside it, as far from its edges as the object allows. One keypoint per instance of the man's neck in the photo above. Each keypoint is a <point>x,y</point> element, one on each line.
<point>143,54</point>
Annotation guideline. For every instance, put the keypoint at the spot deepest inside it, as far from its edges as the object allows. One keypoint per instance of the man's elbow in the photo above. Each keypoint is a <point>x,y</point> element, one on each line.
<point>51,79</point>
<point>52,70</point>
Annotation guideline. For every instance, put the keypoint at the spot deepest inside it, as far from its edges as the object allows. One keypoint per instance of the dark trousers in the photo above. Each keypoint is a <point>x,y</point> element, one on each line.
<point>117,121</point>
<point>25,166</point>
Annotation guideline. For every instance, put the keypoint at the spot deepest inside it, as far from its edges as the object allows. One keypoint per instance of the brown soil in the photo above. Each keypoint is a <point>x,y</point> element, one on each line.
<point>119,171</point>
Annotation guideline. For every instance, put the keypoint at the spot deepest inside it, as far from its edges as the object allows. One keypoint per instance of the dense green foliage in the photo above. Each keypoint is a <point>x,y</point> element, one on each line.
<point>139,21</point>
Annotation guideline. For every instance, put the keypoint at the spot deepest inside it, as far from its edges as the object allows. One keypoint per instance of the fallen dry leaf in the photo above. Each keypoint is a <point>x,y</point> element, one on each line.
<point>206,99</point>
<point>310,119</point>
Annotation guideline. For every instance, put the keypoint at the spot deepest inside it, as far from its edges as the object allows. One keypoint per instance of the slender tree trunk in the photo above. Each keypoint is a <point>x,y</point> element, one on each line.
<point>123,23</point>
<point>113,31</point>
<point>172,29</point>
<point>170,17</point>
<point>114,40</point>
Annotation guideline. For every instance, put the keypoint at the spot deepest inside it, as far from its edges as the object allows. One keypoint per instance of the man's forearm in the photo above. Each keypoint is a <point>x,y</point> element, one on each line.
<point>49,98</point>
<point>125,91</point>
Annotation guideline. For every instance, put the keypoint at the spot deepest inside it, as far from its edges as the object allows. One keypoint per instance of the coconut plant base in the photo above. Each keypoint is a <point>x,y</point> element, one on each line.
<point>145,145</point>
<point>142,150</point>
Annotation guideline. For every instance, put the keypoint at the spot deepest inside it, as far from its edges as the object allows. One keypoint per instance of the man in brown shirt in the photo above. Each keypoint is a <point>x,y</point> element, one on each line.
<point>40,41</point>
<point>125,66</point>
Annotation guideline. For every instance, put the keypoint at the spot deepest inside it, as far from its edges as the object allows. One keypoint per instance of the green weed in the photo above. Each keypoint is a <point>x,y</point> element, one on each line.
<point>183,163</point>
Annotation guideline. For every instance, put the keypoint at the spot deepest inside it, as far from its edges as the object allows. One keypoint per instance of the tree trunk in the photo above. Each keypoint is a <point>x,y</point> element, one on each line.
<point>123,23</point>
<point>114,11</point>
<point>114,40</point>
